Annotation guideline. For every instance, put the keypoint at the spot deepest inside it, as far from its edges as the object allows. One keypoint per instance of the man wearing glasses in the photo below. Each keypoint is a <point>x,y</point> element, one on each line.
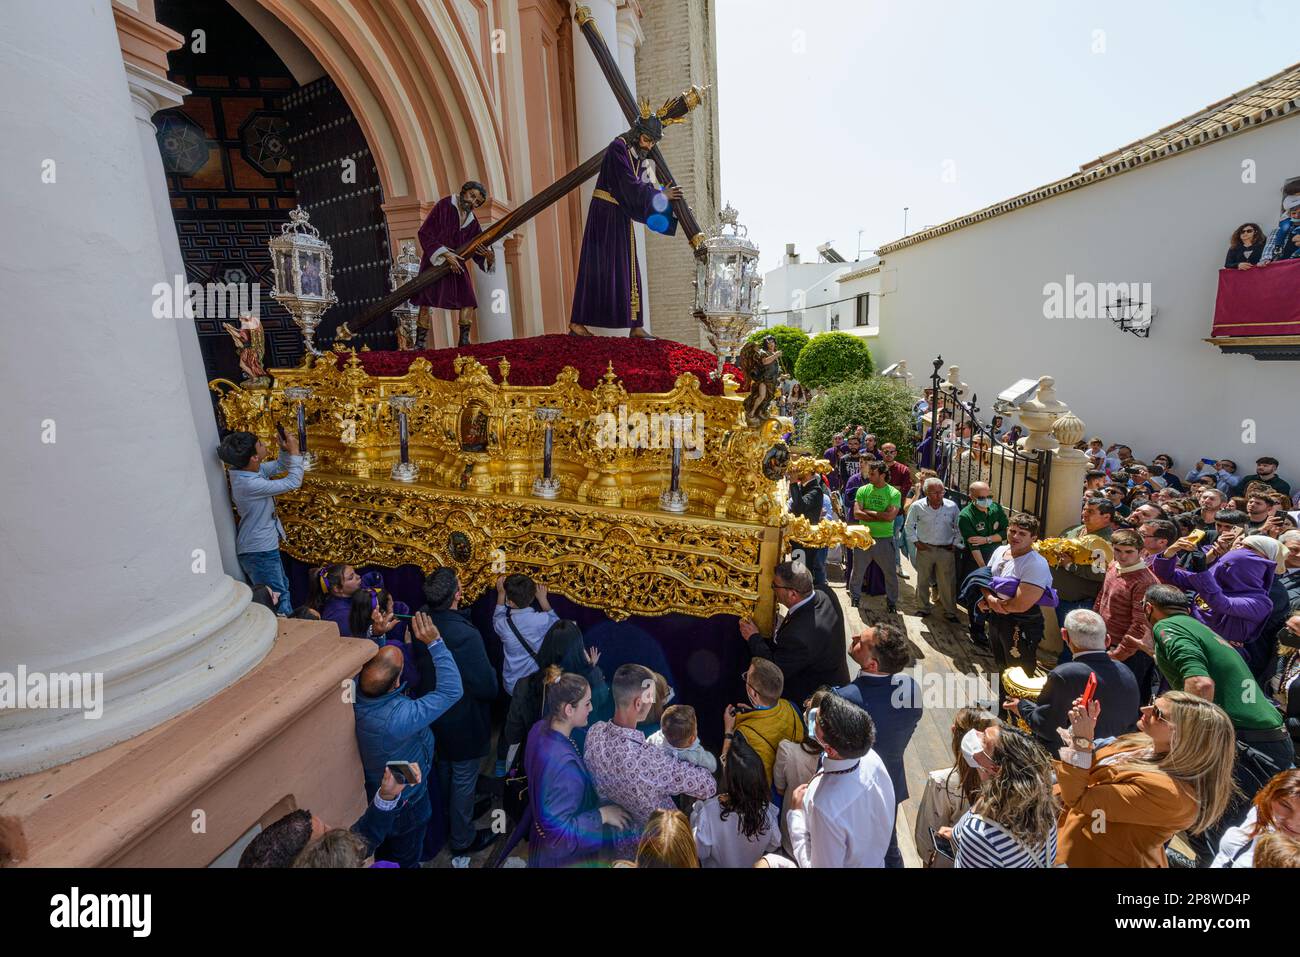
<point>448,227</point>
<point>808,644</point>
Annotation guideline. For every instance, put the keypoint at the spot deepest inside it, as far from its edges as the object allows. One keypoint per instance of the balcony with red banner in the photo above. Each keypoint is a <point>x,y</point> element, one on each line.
<point>1257,312</point>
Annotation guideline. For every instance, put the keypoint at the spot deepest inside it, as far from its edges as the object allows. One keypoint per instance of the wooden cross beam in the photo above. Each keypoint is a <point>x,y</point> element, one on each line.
<point>627,103</point>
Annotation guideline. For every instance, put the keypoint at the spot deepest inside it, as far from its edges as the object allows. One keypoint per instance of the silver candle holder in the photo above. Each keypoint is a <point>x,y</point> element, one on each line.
<point>674,498</point>
<point>404,470</point>
<point>548,486</point>
<point>299,394</point>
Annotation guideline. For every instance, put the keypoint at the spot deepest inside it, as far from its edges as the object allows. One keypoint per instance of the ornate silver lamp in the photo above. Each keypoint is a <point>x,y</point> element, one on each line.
<point>404,470</point>
<point>727,285</point>
<point>548,486</point>
<point>303,265</point>
<point>405,268</point>
<point>298,395</point>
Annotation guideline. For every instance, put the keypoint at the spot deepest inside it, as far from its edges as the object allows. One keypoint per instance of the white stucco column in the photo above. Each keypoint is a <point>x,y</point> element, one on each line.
<point>599,118</point>
<point>149,94</point>
<point>492,289</point>
<point>110,563</point>
<point>629,38</point>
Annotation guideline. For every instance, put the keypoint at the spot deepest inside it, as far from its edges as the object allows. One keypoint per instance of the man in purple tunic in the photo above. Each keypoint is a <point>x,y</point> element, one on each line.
<point>451,224</point>
<point>608,291</point>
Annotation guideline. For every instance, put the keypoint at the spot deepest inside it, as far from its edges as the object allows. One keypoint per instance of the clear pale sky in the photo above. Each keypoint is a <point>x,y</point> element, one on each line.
<point>835,114</point>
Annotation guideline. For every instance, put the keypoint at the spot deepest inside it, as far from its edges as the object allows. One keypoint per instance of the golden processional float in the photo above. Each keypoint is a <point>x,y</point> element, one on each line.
<point>634,503</point>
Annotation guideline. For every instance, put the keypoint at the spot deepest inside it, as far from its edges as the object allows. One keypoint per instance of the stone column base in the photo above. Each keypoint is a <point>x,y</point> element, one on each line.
<point>179,795</point>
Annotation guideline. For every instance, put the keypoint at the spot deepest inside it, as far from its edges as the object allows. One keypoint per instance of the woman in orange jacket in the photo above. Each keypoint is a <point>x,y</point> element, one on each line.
<point>1123,801</point>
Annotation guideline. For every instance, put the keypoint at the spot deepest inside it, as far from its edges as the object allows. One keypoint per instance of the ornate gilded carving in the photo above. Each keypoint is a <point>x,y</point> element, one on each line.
<point>478,447</point>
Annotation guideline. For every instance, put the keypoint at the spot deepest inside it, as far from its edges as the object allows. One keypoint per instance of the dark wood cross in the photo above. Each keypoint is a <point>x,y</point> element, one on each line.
<point>673,111</point>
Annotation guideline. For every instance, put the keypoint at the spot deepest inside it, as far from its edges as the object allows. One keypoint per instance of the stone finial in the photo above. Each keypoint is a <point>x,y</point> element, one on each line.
<point>954,383</point>
<point>1069,429</point>
<point>1039,416</point>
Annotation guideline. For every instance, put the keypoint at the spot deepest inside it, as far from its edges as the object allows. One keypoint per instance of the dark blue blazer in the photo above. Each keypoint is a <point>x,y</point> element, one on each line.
<point>1117,692</point>
<point>894,703</point>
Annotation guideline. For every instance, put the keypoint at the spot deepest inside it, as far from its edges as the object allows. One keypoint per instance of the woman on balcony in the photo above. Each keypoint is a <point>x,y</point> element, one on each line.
<point>1245,247</point>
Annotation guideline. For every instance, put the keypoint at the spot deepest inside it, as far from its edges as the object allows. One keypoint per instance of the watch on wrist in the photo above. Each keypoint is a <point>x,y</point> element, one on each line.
<point>1081,743</point>
<point>729,735</point>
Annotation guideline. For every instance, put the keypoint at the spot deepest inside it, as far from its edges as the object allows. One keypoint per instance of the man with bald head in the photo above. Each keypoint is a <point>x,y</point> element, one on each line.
<point>394,727</point>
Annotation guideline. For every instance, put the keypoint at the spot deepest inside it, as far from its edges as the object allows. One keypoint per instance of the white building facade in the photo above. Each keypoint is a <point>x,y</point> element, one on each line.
<point>823,296</point>
<point>1021,289</point>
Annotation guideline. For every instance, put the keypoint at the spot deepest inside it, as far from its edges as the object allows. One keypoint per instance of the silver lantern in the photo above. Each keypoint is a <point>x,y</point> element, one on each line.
<point>727,284</point>
<point>303,265</point>
<point>405,268</point>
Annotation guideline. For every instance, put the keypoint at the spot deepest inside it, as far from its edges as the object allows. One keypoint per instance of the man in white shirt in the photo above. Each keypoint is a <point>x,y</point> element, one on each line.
<point>1018,614</point>
<point>843,817</point>
<point>932,525</point>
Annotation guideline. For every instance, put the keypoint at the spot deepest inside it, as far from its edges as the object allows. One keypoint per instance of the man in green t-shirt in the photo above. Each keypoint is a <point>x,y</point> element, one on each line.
<point>875,506</point>
<point>982,523</point>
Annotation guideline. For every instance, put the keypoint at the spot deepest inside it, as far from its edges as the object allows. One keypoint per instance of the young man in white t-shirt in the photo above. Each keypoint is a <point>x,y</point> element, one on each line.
<point>1019,613</point>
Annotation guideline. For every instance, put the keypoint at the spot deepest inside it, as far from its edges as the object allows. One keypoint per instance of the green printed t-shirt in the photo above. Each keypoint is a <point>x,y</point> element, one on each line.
<point>879,500</point>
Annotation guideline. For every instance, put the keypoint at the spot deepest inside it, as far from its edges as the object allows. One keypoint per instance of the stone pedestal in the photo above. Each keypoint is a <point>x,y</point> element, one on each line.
<point>183,793</point>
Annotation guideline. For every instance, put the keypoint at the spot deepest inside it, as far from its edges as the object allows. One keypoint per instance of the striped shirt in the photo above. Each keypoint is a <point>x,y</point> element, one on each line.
<point>983,843</point>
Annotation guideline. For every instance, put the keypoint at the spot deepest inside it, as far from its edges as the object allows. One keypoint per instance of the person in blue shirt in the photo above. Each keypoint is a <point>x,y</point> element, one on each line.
<point>393,727</point>
<point>253,490</point>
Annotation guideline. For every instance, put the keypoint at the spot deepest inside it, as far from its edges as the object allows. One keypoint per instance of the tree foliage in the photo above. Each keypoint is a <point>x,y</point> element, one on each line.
<point>831,358</point>
<point>883,406</point>
<point>788,339</point>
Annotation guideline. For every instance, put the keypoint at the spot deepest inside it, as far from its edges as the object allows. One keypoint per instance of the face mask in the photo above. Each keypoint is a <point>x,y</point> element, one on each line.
<point>972,744</point>
<point>812,723</point>
<point>1287,637</point>
<point>984,502</point>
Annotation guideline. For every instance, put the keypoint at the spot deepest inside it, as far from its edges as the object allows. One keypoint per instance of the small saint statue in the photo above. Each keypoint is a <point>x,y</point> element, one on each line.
<point>250,341</point>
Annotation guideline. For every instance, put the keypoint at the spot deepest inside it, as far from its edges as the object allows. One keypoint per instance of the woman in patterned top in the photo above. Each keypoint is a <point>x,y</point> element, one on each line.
<point>1013,822</point>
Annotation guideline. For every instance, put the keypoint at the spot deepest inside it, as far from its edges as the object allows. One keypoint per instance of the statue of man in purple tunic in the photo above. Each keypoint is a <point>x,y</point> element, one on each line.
<point>450,225</point>
<point>608,292</point>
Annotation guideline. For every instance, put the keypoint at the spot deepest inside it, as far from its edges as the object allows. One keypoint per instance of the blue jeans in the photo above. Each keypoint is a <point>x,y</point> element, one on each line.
<point>458,780</point>
<point>405,841</point>
<point>266,568</point>
<point>1063,609</point>
<point>815,559</point>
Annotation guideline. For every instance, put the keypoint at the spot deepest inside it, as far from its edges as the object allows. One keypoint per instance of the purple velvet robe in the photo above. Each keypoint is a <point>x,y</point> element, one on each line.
<point>566,827</point>
<point>442,228</point>
<point>1235,587</point>
<point>608,291</point>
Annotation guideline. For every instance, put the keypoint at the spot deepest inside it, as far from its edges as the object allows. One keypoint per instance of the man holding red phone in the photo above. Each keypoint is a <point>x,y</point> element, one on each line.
<point>1112,682</point>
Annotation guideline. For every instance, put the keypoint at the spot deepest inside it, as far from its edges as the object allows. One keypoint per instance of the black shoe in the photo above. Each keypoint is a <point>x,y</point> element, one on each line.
<point>892,609</point>
<point>979,641</point>
<point>922,614</point>
<point>484,838</point>
<point>857,600</point>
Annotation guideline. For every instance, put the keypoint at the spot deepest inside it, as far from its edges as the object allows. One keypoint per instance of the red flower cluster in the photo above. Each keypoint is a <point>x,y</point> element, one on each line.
<point>651,365</point>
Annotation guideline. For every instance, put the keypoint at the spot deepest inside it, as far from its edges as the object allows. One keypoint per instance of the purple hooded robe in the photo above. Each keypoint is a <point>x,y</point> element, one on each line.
<point>608,291</point>
<point>443,230</point>
<point>1235,587</point>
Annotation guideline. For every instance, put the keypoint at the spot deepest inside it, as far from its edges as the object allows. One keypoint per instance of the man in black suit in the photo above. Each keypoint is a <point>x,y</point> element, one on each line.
<point>1117,689</point>
<point>893,700</point>
<point>463,734</point>
<point>807,493</point>
<point>808,644</point>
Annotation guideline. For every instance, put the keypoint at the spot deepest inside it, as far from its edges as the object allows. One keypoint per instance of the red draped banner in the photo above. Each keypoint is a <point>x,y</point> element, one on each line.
<point>1264,301</point>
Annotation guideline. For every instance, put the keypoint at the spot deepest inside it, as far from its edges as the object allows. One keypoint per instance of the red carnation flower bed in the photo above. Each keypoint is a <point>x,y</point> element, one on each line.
<point>644,365</point>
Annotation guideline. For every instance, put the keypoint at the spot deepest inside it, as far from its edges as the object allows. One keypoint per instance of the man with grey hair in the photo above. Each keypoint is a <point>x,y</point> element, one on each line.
<point>1084,634</point>
<point>932,523</point>
<point>808,643</point>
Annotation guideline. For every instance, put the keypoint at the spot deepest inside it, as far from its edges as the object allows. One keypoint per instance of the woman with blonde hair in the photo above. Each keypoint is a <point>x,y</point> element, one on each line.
<point>667,841</point>
<point>1175,774</point>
